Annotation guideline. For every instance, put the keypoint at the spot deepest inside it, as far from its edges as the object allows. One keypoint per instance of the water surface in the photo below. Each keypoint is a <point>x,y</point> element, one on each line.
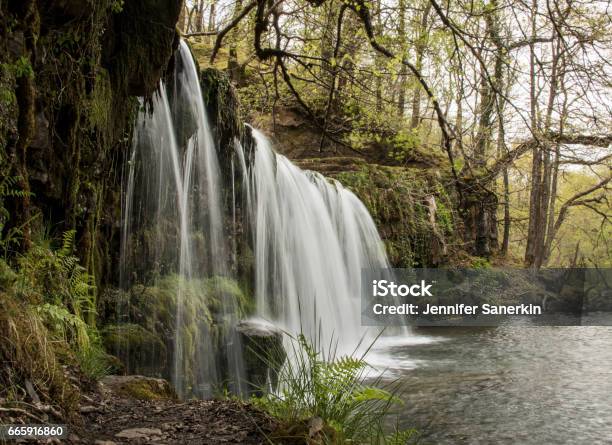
<point>504,385</point>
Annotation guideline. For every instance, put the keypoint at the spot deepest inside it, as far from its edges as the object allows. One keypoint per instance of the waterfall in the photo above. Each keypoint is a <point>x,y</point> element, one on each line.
<point>173,194</point>
<point>312,237</point>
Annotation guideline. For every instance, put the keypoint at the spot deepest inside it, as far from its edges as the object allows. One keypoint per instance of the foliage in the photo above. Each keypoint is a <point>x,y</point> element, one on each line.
<point>47,309</point>
<point>395,81</point>
<point>29,354</point>
<point>586,231</point>
<point>55,277</point>
<point>317,384</point>
<point>61,294</point>
<point>9,239</point>
<point>117,6</point>
<point>20,68</point>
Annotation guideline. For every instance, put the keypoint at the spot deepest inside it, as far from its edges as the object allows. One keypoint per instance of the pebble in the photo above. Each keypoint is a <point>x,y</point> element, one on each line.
<point>137,433</point>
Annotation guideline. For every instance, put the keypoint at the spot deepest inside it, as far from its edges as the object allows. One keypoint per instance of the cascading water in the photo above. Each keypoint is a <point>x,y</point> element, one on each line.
<point>311,238</point>
<point>173,192</point>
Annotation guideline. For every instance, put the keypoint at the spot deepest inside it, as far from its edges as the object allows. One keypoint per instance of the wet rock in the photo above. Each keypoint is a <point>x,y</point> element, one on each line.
<point>41,140</point>
<point>139,349</point>
<point>139,387</point>
<point>263,353</point>
<point>140,43</point>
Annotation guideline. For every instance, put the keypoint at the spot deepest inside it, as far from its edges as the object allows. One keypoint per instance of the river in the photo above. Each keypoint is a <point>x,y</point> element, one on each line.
<point>503,385</point>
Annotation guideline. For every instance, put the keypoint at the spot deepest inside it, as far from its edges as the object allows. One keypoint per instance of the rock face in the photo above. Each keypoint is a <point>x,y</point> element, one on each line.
<point>70,71</point>
<point>138,349</point>
<point>263,354</point>
<point>146,344</point>
<point>411,208</point>
<point>143,39</point>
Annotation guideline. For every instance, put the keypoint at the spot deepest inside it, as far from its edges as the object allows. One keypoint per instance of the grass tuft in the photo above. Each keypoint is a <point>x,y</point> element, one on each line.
<point>327,398</point>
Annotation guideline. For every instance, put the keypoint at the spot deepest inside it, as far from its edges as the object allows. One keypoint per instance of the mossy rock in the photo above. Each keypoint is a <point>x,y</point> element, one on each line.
<point>140,350</point>
<point>146,341</point>
<point>263,354</point>
<point>223,108</point>
<point>140,387</point>
<point>399,200</point>
<point>141,43</point>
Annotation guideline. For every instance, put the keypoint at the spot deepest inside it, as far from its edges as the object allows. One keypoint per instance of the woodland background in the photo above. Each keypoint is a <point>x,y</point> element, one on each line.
<point>509,100</point>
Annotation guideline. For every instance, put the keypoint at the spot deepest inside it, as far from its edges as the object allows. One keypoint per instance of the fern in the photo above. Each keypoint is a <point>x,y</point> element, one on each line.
<point>80,287</point>
<point>400,437</point>
<point>57,278</point>
<point>69,327</point>
<point>313,384</point>
<point>67,244</point>
<point>9,188</point>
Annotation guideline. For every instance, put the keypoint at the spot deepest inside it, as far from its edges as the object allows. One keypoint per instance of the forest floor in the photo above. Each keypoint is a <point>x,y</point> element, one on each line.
<point>111,416</point>
<point>118,420</point>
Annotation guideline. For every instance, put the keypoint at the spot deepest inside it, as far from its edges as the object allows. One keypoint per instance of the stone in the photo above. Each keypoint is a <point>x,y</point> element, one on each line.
<point>139,387</point>
<point>315,425</point>
<point>263,352</point>
<point>88,409</point>
<point>139,433</point>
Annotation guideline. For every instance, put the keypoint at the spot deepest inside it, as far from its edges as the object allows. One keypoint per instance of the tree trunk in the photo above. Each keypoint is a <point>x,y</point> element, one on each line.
<point>212,17</point>
<point>233,66</point>
<point>421,44</point>
<point>536,161</point>
<point>403,73</point>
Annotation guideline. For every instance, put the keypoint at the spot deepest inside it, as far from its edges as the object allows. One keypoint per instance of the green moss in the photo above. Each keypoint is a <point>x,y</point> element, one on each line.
<point>100,102</point>
<point>130,335</point>
<point>145,344</point>
<point>444,217</point>
<point>140,387</point>
<point>141,350</point>
<point>143,390</point>
<point>396,199</point>
<point>480,263</point>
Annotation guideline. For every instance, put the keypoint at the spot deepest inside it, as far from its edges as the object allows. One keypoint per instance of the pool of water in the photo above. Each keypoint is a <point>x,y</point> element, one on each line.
<point>503,385</point>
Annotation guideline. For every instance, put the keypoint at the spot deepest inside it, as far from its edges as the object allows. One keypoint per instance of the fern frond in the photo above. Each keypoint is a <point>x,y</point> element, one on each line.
<point>67,243</point>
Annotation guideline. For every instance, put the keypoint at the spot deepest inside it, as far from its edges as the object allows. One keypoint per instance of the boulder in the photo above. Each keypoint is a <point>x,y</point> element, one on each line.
<point>139,387</point>
<point>263,353</point>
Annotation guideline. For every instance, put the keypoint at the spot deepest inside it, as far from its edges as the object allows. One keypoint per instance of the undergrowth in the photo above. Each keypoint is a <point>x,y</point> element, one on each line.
<point>48,336</point>
<point>331,399</point>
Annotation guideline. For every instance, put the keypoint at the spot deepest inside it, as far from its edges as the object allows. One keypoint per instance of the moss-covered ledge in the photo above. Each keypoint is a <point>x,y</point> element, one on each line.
<point>411,208</point>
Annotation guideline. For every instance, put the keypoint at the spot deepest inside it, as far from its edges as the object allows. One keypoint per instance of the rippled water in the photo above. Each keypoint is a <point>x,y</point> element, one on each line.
<point>504,385</point>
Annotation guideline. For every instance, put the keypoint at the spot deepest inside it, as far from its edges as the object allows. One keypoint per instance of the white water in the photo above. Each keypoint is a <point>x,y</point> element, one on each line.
<point>311,238</point>
<point>174,188</point>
